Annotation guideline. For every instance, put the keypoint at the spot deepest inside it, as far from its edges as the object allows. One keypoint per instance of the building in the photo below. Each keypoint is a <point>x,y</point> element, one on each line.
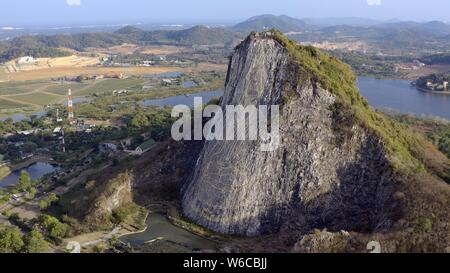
<point>445,83</point>
<point>145,147</point>
<point>126,142</point>
<point>107,147</point>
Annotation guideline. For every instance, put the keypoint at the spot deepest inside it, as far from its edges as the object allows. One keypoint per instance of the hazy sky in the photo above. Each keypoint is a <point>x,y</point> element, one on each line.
<point>63,12</point>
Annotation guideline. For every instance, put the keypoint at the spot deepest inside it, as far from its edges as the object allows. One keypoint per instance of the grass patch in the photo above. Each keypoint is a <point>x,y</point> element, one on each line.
<point>6,104</point>
<point>61,89</point>
<point>37,98</point>
<point>110,85</point>
<point>11,88</point>
<point>131,214</point>
<point>4,171</point>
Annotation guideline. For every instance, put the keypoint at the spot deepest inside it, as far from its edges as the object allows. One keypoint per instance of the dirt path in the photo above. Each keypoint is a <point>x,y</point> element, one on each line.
<point>92,239</point>
<point>19,101</point>
<point>40,89</point>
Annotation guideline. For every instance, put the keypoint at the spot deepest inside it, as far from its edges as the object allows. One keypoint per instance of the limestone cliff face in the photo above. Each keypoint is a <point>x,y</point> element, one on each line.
<point>318,177</point>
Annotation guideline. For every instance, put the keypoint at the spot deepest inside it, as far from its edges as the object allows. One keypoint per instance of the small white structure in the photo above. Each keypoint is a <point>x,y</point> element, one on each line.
<point>126,142</point>
<point>26,60</point>
<point>28,132</point>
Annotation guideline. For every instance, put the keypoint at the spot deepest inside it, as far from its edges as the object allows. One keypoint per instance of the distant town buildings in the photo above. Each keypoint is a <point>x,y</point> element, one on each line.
<point>437,86</point>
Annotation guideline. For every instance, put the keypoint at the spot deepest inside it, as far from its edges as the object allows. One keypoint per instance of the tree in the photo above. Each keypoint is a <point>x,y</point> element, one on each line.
<point>10,240</point>
<point>140,120</point>
<point>24,181</point>
<point>53,226</point>
<point>32,193</point>
<point>29,147</point>
<point>45,203</point>
<point>79,79</point>
<point>35,243</point>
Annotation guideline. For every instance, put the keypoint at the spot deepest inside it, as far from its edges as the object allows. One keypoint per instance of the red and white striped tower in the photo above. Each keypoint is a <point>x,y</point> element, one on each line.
<point>70,107</point>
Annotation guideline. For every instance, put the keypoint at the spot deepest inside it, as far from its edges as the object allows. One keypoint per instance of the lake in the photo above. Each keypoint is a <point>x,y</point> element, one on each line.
<point>36,171</point>
<point>159,227</point>
<point>401,96</point>
<point>184,99</point>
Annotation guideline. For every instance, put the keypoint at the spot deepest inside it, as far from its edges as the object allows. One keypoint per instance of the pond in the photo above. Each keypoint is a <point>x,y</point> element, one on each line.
<point>184,99</point>
<point>160,228</point>
<point>36,171</point>
<point>189,84</point>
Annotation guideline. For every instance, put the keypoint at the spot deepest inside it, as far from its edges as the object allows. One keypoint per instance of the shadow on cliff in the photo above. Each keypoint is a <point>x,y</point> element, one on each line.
<point>361,201</point>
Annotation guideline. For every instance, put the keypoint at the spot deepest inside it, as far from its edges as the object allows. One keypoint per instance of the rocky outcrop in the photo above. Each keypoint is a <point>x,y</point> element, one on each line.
<point>94,202</point>
<point>329,171</point>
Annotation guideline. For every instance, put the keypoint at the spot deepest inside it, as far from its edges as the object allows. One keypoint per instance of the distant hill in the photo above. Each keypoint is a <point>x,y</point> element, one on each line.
<point>443,58</point>
<point>47,46</point>
<point>351,21</point>
<point>435,28</point>
<point>268,21</point>
<point>204,35</point>
<point>198,35</point>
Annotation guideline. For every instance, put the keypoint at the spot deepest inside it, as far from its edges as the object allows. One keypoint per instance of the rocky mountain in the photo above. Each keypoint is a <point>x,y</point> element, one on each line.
<point>340,165</point>
<point>268,21</point>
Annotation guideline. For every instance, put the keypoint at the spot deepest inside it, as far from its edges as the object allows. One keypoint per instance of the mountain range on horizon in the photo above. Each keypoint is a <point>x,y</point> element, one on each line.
<point>264,20</point>
<point>378,33</point>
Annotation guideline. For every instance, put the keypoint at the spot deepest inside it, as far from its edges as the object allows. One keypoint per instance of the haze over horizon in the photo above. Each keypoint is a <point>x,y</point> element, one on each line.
<point>78,12</point>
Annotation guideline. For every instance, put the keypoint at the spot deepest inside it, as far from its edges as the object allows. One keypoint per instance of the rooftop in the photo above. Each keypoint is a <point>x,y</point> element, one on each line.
<point>147,145</point>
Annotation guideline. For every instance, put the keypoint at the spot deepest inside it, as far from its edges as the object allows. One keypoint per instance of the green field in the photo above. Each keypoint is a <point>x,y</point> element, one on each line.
<point>111,85</point>
<point>38,98</point>
<point>11,88</point>
<point>61,89</point>
<point>5,104</point>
